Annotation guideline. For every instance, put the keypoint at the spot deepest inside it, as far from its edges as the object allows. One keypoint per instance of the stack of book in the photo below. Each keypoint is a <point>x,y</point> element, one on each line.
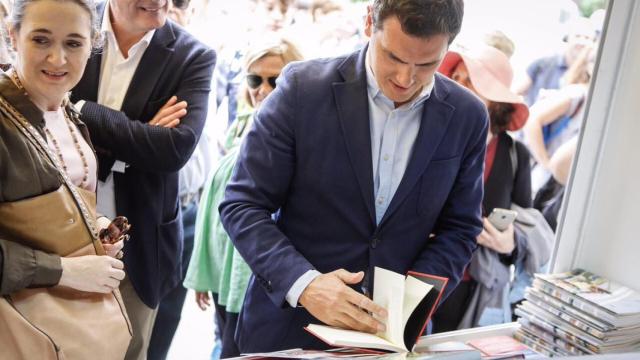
<point>579,313</point>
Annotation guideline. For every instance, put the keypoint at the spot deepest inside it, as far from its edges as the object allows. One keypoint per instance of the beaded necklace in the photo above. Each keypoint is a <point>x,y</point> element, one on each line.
<point>72,130</point>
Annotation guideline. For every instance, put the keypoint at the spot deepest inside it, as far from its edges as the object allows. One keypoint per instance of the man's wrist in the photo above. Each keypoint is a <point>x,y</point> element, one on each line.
<point>298,287</point>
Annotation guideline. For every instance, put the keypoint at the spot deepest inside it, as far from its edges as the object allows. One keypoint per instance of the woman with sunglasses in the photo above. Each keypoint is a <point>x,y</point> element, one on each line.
<point>215,265</point>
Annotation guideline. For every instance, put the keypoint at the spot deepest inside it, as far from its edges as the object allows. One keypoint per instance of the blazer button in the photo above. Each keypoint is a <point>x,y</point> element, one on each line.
<point>374,242</point>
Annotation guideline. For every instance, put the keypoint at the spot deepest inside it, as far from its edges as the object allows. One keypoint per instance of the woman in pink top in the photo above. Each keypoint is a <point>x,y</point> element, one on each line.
<point>58,282</point>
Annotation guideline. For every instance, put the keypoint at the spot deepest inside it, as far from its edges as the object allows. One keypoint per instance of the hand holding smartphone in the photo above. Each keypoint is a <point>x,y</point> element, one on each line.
<point>502,218</point>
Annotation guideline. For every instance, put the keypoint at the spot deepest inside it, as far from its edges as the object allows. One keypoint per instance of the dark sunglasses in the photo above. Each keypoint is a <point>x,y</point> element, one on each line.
<point>254,81</point>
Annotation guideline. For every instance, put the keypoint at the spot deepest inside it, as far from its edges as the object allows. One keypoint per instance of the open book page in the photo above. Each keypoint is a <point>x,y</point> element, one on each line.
<point>409,302</point>
<point>388,292</point>
<point>351,338</point>
<point>414,291</point>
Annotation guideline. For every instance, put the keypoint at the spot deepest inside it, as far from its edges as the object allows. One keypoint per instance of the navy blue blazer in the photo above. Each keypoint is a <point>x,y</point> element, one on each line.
<point>175,63</point>
<point>308,155</point>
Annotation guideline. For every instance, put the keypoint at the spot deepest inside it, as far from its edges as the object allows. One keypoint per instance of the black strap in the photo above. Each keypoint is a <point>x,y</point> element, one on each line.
<point>513,154</point>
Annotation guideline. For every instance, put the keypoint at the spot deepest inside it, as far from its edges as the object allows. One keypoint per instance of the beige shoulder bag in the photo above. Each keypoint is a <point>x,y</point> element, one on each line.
<point>57,322</point>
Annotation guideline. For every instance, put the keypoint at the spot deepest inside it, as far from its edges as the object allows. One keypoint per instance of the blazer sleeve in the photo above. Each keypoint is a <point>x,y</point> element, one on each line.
<point>155,148</point>
<point>449,250</point>
<point>259,187</point>
<point>22,267</point>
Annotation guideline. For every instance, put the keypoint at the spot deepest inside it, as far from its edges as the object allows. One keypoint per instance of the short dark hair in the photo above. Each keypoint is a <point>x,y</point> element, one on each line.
<point>421,18</point>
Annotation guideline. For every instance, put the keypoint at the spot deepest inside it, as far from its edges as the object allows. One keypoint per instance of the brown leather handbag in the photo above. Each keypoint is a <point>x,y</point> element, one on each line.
<point>57,322</point>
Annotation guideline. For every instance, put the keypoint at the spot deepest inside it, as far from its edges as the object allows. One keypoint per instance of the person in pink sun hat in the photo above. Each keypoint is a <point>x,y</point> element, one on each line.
<point>480,299</point>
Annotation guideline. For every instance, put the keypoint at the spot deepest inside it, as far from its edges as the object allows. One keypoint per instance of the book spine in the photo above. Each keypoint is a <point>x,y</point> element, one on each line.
<point>568,318</point>
<point>538,347</point>
<point>537,296</point>
<point>557,330</point>
<point>574,349</point>
<point>572,300</point>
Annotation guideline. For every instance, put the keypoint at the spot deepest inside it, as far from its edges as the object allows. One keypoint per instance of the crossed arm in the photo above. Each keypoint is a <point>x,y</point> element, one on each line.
<point>165,142</point>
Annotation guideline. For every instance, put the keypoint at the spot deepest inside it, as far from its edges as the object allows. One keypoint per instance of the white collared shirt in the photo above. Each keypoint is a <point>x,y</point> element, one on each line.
<point>116,73</point>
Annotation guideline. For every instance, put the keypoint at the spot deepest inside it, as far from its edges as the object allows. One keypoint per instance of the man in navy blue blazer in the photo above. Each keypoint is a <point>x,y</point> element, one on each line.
<point>367,160</point>
<point>144,98</point>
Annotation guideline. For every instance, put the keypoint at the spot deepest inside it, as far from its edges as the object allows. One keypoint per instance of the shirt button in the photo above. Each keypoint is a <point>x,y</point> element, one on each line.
<point>386,157</point>
<point>380,201</point>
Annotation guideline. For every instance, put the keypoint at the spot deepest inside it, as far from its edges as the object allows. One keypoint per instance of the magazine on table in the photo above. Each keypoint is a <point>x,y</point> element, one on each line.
<point>534,331</point>
<point>563,330</point>
<point>500,347</point>
<point>599,327</point>
<point>593,294</point>
<point>582,320</point>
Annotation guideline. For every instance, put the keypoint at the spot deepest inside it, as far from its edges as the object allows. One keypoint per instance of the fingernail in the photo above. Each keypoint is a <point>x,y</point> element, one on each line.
<point>381,327</point>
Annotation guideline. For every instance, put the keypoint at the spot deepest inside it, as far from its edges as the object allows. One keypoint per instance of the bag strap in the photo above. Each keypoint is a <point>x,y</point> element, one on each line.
<point>41,146</point>
<point>513,155</point>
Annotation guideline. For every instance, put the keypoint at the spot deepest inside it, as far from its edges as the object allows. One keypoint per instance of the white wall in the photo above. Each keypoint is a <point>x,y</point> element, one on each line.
<point>600,230</point>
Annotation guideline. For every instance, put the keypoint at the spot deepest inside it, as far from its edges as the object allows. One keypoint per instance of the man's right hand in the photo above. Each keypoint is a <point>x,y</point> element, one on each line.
<point>330,300</point>
<point>170,113</point>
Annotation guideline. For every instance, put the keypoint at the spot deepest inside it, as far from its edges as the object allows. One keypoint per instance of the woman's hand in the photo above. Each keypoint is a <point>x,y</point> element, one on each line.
<point>114,249</point>
<point>91,273</point>
<point>502,242</point>
<point>203,300</point>
<point>113,234</point>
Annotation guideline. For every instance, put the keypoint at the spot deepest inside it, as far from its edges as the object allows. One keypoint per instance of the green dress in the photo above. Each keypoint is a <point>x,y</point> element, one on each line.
<point>216,265</point>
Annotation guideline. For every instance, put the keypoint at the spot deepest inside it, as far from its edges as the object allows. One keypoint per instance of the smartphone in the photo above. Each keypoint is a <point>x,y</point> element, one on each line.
<point>501,218</point>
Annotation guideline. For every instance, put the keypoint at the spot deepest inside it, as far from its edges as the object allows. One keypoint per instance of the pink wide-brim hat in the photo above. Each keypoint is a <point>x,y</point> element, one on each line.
<point>491,74</point>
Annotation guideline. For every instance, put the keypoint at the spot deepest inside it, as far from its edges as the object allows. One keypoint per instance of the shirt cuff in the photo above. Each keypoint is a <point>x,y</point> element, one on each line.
<point>48,270</point>
<point>298,287</point>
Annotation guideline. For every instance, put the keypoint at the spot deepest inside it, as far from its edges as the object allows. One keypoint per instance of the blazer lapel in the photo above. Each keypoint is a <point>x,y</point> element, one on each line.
<point>353,113</point>
<point>90,82</point>
<point>148,72</point>
<point>435,120</point>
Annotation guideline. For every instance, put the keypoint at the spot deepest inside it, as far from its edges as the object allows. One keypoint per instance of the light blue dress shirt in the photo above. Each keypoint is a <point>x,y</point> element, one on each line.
<point>393,133</point>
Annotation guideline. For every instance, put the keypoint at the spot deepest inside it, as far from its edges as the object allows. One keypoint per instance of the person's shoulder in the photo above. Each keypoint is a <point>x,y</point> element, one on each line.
<point>318,69</point>
<point>185,43</point>
<point>546,62</point>
<point>521,149</point>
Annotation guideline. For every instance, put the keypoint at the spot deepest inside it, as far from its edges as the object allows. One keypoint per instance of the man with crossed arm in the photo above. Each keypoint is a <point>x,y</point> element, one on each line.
<point>144,99</point>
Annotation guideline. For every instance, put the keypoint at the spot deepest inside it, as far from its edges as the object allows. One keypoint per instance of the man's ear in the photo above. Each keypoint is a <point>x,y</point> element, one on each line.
<point>368,22</point>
